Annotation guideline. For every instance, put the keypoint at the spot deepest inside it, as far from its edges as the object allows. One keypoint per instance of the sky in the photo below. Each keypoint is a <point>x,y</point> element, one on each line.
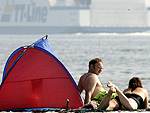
<point>53,2</point>
<point>147,3</point>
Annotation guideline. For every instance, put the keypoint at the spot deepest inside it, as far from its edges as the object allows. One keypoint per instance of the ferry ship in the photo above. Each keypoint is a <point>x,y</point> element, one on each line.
<point>73,16</point>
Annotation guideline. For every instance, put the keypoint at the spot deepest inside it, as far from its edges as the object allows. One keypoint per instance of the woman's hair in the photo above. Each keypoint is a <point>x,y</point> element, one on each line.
<point>134,83</point>
<point>94,61</point>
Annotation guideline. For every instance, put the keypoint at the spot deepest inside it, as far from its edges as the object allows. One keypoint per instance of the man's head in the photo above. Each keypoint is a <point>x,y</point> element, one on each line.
<point>96,66</point>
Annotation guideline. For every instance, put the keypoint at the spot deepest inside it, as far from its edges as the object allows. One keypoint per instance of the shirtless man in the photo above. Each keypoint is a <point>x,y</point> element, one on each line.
<point>90,82</point>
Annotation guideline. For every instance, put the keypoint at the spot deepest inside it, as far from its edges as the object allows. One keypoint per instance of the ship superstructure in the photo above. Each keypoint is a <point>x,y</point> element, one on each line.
<point>71,16</point>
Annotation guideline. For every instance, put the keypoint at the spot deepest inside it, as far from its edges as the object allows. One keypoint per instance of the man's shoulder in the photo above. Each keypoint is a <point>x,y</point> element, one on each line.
<point>88,75</point>
<point>92,76</point>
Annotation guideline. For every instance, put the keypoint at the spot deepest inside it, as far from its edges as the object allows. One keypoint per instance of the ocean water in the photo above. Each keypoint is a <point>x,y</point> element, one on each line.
<point>124,55</point>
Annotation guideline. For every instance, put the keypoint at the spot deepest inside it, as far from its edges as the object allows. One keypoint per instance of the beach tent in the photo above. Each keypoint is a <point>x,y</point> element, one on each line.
<point>33,77</point>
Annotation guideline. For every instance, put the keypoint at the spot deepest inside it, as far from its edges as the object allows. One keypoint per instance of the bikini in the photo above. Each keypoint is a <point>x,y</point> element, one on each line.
<point>136,97</point>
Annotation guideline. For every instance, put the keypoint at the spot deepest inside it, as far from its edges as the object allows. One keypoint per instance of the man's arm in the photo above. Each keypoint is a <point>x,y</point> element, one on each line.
<point>90,87</point>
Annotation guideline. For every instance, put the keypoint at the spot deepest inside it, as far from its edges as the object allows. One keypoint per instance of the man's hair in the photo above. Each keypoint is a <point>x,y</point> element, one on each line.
<point>94,61</point>
<point>134,83</point>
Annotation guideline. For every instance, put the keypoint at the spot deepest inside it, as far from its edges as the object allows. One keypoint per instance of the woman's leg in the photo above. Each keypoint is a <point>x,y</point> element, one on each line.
<point>113,105</point>
<point>106,101</point>
<point>127,103</point>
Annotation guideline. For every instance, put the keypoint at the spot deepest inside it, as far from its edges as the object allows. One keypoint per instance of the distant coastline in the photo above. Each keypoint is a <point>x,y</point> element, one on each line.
<point>69,30</point>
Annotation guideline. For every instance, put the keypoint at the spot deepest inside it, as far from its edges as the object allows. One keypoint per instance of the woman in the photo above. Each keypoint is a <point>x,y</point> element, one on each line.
<point>135,97</point>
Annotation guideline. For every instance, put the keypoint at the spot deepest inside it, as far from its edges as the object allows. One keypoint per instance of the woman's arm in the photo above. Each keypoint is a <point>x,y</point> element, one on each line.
<point>146,100</point>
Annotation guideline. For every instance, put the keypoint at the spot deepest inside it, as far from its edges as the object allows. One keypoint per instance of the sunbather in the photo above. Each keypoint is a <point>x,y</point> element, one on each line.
<point>135,97</point>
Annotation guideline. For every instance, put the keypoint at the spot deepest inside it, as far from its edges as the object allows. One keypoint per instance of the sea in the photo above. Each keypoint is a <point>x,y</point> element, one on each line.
<point>124,55</point>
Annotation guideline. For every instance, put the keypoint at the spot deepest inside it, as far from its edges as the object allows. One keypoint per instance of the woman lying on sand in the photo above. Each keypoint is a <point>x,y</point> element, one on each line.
<point>135,97</point>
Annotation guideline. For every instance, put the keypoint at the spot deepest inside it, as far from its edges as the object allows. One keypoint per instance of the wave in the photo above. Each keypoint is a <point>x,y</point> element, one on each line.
<point>125,34</point>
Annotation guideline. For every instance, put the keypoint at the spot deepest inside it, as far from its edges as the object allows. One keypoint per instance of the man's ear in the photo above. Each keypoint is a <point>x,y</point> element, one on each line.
<point>92,66</point>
